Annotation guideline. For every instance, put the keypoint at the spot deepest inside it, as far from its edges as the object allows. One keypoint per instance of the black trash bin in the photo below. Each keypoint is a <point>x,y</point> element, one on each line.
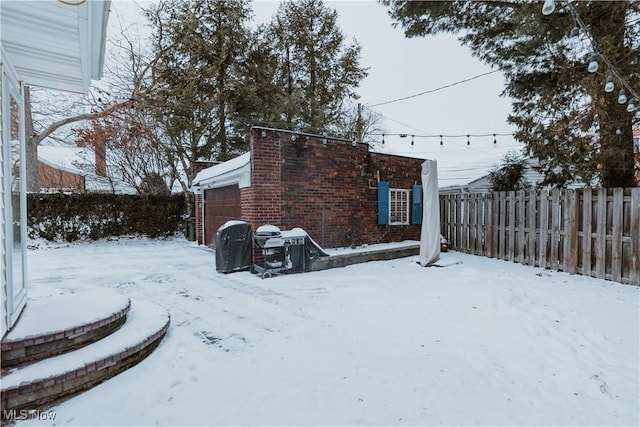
<point>191,229</point>
<point>233,247</point>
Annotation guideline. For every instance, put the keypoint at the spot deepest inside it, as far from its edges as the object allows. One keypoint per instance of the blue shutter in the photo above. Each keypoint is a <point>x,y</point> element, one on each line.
<point>416,206</point>
<point>383,202</point>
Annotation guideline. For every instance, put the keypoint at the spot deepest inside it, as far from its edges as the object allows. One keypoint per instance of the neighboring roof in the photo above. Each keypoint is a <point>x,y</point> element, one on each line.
<point>70,159</point>
<point>54,44</point>
<point>234,171</point>
<point>81,161</point>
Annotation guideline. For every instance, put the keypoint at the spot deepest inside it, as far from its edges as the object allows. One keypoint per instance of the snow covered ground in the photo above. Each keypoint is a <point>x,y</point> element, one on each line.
<point>485,342</point>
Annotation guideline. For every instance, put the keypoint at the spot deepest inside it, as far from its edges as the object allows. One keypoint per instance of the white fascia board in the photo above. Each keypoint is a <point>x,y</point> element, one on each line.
<point>240,176</point>
<point>99,18</point>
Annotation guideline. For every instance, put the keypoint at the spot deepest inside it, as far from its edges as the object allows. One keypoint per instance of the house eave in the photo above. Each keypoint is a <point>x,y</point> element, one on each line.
<point>240,176</point>
<point>55,45</point>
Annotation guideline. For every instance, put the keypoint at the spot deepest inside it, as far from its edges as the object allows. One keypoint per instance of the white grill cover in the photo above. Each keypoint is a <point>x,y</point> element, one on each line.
<point>430,235</point>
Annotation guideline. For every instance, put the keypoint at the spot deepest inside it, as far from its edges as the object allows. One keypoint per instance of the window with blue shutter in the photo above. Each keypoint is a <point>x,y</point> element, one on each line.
<point>416,206</point>
<point>383,202</point>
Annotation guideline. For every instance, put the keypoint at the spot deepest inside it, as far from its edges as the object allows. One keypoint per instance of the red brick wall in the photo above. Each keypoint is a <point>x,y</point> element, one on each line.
<point>262,201</point>
<point>329,189</point>
<point>53,179</point>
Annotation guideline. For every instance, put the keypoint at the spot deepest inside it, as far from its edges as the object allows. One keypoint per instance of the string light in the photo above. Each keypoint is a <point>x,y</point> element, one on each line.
<point>593,63</point>
<point>442,136</point>
<point>465,135</point>
<point>609,86</point>
<point>548,7</point>
<point>622,97</point>
<point>575,32</point>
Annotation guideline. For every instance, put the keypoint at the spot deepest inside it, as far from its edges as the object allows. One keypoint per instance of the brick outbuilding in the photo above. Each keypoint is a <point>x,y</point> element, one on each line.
<point>341,192</point>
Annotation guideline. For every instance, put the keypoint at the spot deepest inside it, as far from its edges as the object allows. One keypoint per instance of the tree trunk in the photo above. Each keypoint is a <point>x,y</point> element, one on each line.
<point>616,157</point>
<point>31,146</point>
<point>616,134</point>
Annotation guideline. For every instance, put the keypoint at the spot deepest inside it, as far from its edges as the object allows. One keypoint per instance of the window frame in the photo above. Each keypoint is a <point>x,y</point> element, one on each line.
<point>404,206</point>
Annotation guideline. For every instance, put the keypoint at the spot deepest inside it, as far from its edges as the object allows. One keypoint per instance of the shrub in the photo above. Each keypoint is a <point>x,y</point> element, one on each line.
<point>92,216</point>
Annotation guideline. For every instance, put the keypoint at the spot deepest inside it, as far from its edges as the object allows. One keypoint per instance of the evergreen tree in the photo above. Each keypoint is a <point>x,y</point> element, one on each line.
<point>199,45</point>
<point>317,71</point>
<point>564,117</point>
<point>510,175</point>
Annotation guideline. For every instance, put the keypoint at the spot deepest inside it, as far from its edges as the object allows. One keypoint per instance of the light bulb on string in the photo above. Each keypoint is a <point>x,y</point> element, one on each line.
<point>468,142</point>
<point>631,106</point>
<point>495,142</point>
<point>622,97</point>
<point>575,32</point>
<point>383,139</point>
<point>548,7</point>
<point>441,143</point>
<point>609,85</point>
<point>412,140</point>
<point>593,63</point>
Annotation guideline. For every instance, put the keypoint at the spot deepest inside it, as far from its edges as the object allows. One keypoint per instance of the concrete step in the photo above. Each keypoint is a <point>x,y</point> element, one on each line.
<point>54,323</point>
<point>41,384</point>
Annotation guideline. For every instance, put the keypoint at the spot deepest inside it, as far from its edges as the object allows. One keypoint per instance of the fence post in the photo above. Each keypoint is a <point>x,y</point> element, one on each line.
<point>587,237</point>
<point>521,225</point>
<point>616,235</point>
<point>532,228</point>
<point>488,233</point>
<point>634,267</point>
<point>544,227</point>
<point>556,213</point>
<point>601,229</point>
<point>571,230</point>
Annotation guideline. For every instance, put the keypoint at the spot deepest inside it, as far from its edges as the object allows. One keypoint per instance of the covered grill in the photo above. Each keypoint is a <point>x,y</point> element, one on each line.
<point>290,251</point>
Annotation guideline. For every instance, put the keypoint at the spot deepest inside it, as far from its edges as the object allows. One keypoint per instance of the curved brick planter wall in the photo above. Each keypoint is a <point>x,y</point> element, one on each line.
<point>20,393</point>
<point>34,348</point>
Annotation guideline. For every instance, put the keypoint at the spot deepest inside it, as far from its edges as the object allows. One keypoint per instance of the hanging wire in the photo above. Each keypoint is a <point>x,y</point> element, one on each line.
<point>598,50</point>
<point>404,98</point>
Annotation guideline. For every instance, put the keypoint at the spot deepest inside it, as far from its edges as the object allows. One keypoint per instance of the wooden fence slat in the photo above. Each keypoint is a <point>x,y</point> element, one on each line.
<point>532,228</point>
<point>472,223</point>
<point>587,206</point>
<point>616,237</point>
<point>521,244</point>
<point>503,225</point>
<point>590,232</point>
<point>488,231</point>
<point>496,225</point>
<point>555,228</point>
<point>634,226</point>
<point>572,239</point>
<point>544,226</point>
<point>564,233</point>
<point>512,225</point>
<point>601,229</point>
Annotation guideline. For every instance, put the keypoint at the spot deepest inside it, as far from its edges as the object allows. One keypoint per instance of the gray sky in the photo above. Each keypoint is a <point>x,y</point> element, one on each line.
<point>400,67</point>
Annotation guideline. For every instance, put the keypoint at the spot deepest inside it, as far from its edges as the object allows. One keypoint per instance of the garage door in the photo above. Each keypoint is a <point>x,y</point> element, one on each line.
<point>220,205</point>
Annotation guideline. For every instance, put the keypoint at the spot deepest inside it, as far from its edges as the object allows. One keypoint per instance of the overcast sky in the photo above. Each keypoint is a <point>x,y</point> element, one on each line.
<point>400,67</point>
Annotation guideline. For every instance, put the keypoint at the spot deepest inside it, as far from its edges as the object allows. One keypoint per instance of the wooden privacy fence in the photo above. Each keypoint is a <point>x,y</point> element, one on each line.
<point>593,232</point>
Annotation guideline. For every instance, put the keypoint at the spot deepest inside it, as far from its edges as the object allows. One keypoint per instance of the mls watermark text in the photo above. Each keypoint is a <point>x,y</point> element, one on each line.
<point>28,414</point>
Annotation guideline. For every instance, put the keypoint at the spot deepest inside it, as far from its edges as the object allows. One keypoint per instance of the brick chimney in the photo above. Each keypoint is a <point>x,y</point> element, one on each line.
<point>101,157</point>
